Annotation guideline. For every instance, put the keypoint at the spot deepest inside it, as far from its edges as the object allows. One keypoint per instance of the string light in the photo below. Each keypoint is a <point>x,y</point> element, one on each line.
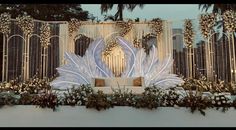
<point>229,18</point>
<point>5,23</point>
<point>157,25</point>
<point>26,23</point>
<point>45,33</point>
<point>188,33</point>
<point>73,25</point>
<point>207,22</point>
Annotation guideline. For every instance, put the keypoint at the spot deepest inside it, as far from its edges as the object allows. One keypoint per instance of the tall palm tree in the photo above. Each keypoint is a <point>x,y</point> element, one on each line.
<point>217,8</point>
<point>120,8</point>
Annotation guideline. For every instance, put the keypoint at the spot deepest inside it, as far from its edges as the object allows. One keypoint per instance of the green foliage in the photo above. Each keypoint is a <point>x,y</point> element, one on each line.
<point>46,100</point>
<point>99,101</point>
<point>8,98</point>
<point>149,98</point>
<point>47,12</point>
<point>170,99</point>
<point>196,101</point>
<point>122,97</point>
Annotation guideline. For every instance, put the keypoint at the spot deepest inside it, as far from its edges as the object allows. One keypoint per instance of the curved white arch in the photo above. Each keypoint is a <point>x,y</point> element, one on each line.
<point>34,35</point>
<point>16,35</point>
<point>78,36</point>
<point>61,48</point>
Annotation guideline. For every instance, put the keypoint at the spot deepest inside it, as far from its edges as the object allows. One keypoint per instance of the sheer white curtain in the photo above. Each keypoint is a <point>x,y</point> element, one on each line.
<point>107,30</point>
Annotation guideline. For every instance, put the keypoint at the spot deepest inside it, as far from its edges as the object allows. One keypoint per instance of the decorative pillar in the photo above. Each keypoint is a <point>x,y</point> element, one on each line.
<point>207,22</point>
<point>229,19</point>
<point>26,23</point>
<point>45,33</point>
<point>188,40</point>
<point>5,21</point>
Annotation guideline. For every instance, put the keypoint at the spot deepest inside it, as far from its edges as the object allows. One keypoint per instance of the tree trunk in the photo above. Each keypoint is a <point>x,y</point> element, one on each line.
<point>120,10</point>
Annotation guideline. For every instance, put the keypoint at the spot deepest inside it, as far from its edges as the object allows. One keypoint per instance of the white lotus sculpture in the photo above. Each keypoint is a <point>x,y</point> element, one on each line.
<point>80,70</point>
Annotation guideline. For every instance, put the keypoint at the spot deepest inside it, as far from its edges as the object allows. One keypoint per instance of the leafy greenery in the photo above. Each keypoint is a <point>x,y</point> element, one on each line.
<point>47,12</point>
<point>120,7</point>
<point>98,100</point>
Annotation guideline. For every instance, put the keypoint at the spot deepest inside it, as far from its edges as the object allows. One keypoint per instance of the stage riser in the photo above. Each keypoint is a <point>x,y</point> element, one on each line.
<point>30,116</point>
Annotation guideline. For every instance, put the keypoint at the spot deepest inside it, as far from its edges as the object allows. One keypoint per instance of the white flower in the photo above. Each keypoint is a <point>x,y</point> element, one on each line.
<point>217,98</point>
<point>79,103</point>
<point>219,103</point>
<point>213,102</point>
<point>176,106</point>
<point>224,101</point>
<point>222,97</point>
<point>8,85</point>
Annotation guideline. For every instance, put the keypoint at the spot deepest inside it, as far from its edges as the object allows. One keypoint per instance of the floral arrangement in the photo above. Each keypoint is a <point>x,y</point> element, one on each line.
<point>229,18</point>
<point>157,25</point>
<point>76,96</point>
<point>99,101</point>
<point>188,33</point>
<point>5,23</point>
<point>45,34</point>
<point>122,97</point>
<point>196,101</point>
<point>207,22</point>
<point>123,28</point>
<point>202,84</point>
<point>46,100</point>
<point>26,23</point>
<point>38,92</point>
<point>73,25</point>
